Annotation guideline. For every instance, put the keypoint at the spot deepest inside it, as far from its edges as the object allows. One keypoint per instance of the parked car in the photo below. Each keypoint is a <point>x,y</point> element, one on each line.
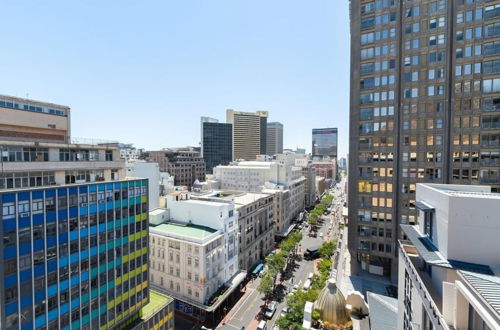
<point>284,311</point>
<point>307,285</point>
<point>262,325</point>
<point>270,310</point>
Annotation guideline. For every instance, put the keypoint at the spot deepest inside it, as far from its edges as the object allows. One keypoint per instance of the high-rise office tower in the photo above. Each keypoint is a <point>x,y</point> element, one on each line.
<point>424,108</point>
<point>216,143</point>
<point>74,252</point>
<point>249,133</point>
<point>274,138</point>
<point>324,142</point>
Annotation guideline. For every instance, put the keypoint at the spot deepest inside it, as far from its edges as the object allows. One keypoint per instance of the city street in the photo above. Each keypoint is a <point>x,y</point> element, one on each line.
<point>243,314</point>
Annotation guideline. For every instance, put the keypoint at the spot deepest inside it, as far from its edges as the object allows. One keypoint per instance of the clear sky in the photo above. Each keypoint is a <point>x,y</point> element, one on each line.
<point>144,72</point>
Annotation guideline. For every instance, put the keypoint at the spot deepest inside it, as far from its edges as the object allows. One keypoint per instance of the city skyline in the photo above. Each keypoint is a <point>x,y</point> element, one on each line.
<point>103,68</point>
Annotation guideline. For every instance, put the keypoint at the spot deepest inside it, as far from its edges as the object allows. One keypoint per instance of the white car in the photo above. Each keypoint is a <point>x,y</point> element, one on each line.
<point>284,311</point>
<point>270,309</point>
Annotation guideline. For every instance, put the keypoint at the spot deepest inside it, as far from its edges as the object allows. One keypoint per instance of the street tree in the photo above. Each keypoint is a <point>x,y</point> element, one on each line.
<point>266,285</point>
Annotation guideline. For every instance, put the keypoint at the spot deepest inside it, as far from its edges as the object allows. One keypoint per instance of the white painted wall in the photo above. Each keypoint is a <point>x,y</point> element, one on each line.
<point>151,171</point>
<point>467,228</point>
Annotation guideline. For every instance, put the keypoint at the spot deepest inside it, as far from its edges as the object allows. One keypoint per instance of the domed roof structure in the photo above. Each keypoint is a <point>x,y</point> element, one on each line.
<point>331,305</point>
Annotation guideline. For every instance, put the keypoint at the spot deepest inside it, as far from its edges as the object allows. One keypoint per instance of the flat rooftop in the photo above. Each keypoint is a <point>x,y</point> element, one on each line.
<point>469,191</point>
<point>157,301</point>
<point>189,231</point>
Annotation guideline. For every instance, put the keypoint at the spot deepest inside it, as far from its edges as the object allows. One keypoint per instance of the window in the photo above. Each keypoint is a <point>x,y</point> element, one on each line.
<point>428,223</point>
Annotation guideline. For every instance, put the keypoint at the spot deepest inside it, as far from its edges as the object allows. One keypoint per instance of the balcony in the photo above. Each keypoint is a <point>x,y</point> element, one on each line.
<point>432,301</point>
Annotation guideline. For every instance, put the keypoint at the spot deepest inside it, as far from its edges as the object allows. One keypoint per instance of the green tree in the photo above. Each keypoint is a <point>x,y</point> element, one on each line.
<point>266,284</point>
<point>327,248</point>
<point>276,262</point>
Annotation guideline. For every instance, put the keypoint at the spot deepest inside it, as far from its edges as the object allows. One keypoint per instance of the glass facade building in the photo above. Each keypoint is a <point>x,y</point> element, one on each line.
<point>74,256</point>
<point>424,107</point>
<point>324,142</point>
<point>217,144</point>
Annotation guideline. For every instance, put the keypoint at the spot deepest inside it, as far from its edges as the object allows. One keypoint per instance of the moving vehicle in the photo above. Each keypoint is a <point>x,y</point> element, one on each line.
<point>270,310</point>
<point>312,253</point>
<point>262,325</point>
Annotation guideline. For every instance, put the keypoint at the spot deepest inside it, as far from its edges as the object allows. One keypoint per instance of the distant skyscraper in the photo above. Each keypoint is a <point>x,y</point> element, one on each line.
<point>216,143</point>
<point>424,108</point>
<point>324,142</point>
<point>249,133</point>
<point>274,138</point>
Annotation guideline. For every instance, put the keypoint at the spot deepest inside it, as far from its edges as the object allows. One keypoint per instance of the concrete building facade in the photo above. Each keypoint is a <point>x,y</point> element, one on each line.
<point>449,267</point>
<point>28,120</point>
<point>285,181</point>
<point>150,171</point>
<point>249,133</point>
<point>423,109</point>
<point>195,252</point>
<point>185,164</point>
<point>274,138</point>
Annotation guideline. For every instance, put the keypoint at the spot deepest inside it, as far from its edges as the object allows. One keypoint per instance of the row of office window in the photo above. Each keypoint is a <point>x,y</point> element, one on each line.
<point>31,107</point>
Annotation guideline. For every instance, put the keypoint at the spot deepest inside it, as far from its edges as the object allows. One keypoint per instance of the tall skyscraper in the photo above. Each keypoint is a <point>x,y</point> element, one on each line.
<point>216,143</point>
<point>249,133</point>
<point>424,108</point>
<point>274,138</point>
<point>324,142</point>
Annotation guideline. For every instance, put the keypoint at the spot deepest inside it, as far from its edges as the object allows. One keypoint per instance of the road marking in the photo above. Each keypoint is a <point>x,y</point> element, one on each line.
<point>242,303</point>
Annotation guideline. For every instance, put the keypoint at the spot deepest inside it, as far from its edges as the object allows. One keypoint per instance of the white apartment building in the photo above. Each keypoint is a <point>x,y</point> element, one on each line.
<point>449,267</point>
<point>285,181</point>
<point>195,252</point>
<point>141,169</point>
<point>256,220</point>
<point>308,172</point>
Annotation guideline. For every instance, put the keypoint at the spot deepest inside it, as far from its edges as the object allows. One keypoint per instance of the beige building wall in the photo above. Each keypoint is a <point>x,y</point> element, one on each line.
<point>19,124</point>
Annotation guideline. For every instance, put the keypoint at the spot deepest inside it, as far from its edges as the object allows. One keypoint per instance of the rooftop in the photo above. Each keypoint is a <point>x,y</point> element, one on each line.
<point>189,231</point>
<point>469,191</point>
<point>383,311</point>
<point>488,287</point>
<point>157,301</point>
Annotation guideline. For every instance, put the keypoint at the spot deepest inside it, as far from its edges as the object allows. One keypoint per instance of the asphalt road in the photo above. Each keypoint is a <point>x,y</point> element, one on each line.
<point>244,313</point>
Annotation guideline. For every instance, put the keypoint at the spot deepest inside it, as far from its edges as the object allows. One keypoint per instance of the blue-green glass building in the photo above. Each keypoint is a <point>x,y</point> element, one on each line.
<point>74,256</point>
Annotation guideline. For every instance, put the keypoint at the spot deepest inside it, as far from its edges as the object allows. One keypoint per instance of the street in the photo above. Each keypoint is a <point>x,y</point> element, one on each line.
<point>243,314</point>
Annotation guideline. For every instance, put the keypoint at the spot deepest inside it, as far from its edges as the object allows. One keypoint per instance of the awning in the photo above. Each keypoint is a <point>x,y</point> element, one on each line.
<point>232,284</point>
<point>258,269</point>
<point>430,254</point>
<point>423,206</point>
<point>287,231</point>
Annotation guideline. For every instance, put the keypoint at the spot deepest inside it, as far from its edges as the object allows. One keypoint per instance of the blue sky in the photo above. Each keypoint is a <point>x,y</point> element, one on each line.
<point>144,72</point>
